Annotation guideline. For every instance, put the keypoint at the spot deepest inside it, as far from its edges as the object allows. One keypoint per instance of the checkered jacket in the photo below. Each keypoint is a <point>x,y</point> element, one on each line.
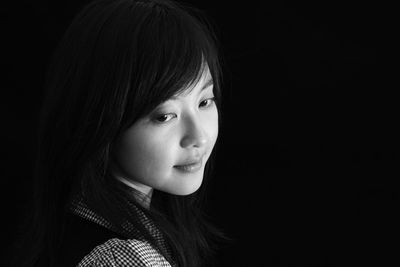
<point>119,251</point>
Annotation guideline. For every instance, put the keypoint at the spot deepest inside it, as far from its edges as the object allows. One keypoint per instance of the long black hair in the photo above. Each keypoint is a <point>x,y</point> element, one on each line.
<point>117,61</point>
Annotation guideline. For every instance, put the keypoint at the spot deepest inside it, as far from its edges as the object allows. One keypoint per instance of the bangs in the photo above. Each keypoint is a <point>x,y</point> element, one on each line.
<point>172,50</point>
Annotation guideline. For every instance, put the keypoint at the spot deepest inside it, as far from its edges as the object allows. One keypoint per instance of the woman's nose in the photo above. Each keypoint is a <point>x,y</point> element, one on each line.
<point>194,133</point>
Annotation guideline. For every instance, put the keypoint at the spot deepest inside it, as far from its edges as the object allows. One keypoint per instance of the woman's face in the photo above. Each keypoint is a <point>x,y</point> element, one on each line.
<point>156,150</point>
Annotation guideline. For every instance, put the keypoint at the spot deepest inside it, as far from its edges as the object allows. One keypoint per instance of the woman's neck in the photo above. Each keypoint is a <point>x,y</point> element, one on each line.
<point>142,193</point>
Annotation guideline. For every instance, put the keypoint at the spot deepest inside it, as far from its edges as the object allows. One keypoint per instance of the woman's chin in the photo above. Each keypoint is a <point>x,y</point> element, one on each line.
<point>185,188</point>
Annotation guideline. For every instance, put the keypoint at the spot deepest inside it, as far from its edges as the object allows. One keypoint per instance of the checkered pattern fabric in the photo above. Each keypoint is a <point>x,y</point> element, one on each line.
<point>118,252</point>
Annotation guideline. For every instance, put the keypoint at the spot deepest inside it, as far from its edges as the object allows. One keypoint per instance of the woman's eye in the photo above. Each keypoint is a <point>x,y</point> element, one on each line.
<point>165,117</point>
<point>168,116</point>
<point>207,102</point>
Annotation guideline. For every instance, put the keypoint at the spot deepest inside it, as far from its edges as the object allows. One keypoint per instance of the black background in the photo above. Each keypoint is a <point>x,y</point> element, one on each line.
<point>308,154</point>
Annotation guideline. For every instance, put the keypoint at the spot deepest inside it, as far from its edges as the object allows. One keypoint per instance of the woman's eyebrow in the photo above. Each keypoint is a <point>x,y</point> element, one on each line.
<point>208,83</point>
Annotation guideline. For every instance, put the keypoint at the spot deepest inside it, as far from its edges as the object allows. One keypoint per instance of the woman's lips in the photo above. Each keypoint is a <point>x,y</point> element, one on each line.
<point>193,167</point>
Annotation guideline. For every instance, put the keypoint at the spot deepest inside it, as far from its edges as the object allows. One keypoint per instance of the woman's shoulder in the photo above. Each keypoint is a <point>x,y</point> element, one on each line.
<point>87,243</point>
<point>124,252</point>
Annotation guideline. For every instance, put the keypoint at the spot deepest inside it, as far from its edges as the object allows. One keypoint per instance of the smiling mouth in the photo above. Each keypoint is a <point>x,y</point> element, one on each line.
<point>193,167</point>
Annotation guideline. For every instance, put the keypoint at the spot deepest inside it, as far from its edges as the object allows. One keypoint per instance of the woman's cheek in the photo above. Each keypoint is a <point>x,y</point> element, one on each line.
<point>157,153</point>
<point>213,127</point>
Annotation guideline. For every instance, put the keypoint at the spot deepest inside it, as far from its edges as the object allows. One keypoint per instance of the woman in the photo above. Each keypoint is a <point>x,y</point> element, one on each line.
<point>127,132</point>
